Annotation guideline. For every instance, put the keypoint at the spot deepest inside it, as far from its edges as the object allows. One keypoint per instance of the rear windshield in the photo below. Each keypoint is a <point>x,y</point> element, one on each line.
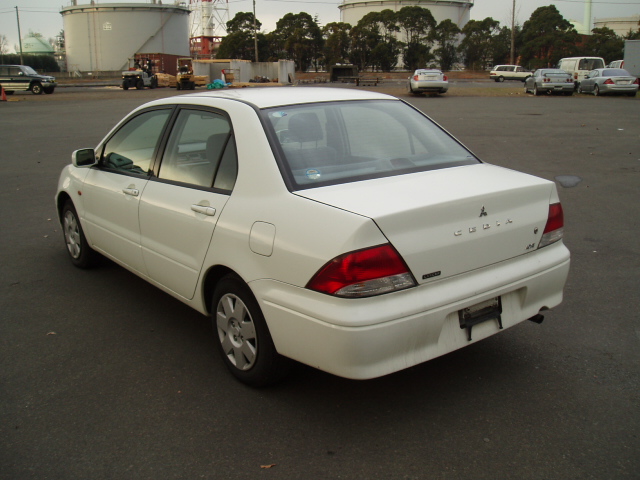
<point>615,72</point>
<point>339,142</point>
<point>590,63</point>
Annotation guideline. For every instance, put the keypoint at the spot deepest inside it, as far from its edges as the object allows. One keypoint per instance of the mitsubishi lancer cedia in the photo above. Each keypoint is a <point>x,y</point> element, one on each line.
<point>341,229</point>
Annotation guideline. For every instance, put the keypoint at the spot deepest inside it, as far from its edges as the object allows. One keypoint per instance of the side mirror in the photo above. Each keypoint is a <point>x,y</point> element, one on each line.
<point>85,157</point>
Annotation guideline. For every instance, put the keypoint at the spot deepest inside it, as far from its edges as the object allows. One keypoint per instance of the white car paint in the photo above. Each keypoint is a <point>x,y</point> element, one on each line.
<point>478,226</point>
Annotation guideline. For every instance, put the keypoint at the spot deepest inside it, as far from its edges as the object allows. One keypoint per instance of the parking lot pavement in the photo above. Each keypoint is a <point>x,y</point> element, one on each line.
<point>103,376</point>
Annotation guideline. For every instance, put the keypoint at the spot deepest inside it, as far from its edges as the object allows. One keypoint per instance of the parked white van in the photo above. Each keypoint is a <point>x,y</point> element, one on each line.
<point>579,67</point>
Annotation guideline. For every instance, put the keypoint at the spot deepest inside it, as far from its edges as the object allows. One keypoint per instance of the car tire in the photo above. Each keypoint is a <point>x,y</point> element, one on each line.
<point>596,90</point>
<point>178,87</point>
<point>139,84</point>
<point>154,82</point>
<point>48,90</point>
<point>36,88</point>
<point>125,85</point>
<point>81,254</point>
<point>242,335</point>
<point>536,92</point>
<point>500,79</point>
<point>526,90</point>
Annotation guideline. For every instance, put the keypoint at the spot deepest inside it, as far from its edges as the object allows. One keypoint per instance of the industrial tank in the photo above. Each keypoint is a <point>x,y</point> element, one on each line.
<point>102,37</point>
<point>351,11</point>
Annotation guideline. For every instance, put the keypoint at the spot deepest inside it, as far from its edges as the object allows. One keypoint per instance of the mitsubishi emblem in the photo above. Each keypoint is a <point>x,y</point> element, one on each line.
<point>483,213</point>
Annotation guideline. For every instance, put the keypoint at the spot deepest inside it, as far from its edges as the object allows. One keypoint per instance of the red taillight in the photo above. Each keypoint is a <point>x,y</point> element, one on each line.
<point>554,230</point>
<point>363,273</point>
<point>415,78</point>
<point>608,81</point>
<point>637,82</point>
<point>546,79</point>
<point>444,78</point>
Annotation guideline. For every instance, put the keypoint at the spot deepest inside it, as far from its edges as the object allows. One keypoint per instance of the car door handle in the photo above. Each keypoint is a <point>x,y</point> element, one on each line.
<point>134,192</point>
<point>210,211</point>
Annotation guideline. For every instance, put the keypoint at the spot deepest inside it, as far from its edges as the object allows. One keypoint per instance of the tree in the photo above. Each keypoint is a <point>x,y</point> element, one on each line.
<point>337,42</point>
<point>501,46</point>
<point>547,37</point>
<point>419,29</point>
<point>239,42</point>
<point>4,45</point>
<point>243,22</point>
<point>476,48</point>
<point>446,34</point>
<point>604,43</point>
<point>375,42</point>
<point>300,38</point>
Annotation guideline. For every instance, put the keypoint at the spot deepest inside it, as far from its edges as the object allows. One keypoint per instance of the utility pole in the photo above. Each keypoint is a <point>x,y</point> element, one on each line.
<point>513,34</point>
<point>255,35</point>
<point>19,36</point>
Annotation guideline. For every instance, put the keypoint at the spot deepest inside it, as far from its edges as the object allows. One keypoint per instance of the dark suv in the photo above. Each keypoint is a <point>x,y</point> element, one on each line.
<point>21,77</point>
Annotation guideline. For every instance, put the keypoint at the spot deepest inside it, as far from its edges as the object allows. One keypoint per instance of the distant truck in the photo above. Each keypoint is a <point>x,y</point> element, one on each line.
<point>579,67</point>
<point>632,57</point>
<point>500,73</point>
<point>139,75</point>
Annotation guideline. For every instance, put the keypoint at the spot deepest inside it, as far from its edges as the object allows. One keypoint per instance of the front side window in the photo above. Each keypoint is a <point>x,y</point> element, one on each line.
<point>340,142</point>
<point>29,71</point>
<point>132,147</point>
<point>200,149</point>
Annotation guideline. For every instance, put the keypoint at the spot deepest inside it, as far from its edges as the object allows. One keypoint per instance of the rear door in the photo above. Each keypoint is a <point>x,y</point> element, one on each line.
<point>181,206</point>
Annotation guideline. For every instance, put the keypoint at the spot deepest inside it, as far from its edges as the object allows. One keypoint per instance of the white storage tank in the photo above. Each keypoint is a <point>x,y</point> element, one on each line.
<point>102,37</point>
<point>458,11</point>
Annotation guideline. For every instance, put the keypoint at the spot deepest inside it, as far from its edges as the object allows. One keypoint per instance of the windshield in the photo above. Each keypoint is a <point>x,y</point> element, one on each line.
<point>615,72</point>
<point>327,143</point>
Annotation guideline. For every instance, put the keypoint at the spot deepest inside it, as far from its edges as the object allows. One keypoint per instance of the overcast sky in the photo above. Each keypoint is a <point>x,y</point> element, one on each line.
<point>43,16</point>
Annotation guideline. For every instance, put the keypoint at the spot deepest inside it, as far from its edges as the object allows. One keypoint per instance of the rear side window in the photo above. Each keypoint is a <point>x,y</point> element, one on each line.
<point>200,149</point>
<point>327,143</point>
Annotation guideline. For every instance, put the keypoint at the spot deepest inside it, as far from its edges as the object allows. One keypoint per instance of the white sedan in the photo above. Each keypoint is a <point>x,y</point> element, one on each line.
<point>428,81</point>
<point>342,229</point>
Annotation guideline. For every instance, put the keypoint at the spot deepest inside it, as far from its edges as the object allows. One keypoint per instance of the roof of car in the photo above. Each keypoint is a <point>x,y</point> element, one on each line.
<point>266,97</point>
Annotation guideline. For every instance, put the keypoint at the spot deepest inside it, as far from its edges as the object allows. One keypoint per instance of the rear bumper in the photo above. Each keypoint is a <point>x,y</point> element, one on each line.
<point>557,87</point>
<point>618,89</point>
<point>368,338</point>
<point>430,86</point>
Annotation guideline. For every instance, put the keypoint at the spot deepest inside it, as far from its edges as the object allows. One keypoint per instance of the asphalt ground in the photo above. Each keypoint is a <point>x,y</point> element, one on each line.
<point>105,377</point>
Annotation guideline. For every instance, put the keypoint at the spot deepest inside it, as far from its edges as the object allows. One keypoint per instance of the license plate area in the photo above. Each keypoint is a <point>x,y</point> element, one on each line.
<point>480,312</point>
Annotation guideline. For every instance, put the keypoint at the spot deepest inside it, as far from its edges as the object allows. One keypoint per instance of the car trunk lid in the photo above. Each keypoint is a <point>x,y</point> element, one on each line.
<point>450,221</point>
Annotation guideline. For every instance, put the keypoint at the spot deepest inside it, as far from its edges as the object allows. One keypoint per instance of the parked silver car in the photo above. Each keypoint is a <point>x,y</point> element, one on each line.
<point>428,81</point>
<point>607,81</point>
<point>549,80</point>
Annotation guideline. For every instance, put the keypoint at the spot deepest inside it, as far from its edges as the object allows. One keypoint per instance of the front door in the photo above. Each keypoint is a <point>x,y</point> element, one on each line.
<point>113,189</point>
